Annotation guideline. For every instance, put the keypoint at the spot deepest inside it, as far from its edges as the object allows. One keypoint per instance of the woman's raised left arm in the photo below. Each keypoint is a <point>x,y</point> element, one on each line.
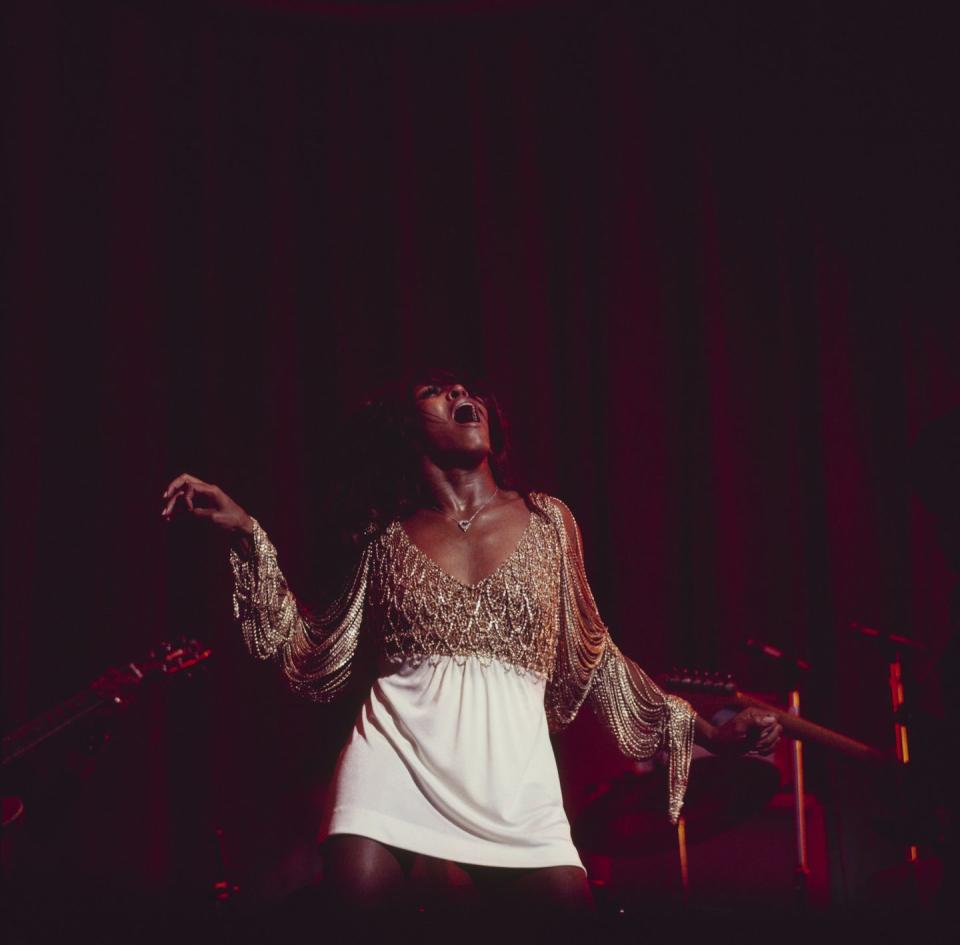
<point>639,714</point>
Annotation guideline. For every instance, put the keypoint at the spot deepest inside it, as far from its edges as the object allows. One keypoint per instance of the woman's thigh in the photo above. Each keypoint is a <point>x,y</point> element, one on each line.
<point>360,873</point>
<point>364,874</point>
<point>563,888</point>
<point>551,890</point>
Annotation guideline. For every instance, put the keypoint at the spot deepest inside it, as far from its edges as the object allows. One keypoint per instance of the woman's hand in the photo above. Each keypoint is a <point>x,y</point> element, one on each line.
<point>203,500</point>
<point>752,730</point>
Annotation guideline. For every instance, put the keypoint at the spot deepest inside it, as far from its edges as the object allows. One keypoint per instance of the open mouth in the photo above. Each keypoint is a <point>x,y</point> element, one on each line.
<point>466,413</point>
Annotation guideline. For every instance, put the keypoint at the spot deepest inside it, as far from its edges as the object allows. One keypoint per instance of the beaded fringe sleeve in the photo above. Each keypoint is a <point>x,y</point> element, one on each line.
<point>315,651</point>
<point>642,718</point>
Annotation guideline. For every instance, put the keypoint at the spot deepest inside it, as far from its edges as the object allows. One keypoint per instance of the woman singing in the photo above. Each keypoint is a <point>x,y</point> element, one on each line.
<point>469,619</point>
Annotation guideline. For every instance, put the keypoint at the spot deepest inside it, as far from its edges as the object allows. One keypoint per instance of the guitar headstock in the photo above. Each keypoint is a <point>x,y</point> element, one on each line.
<point>166,659</point>
<point>170,658</point>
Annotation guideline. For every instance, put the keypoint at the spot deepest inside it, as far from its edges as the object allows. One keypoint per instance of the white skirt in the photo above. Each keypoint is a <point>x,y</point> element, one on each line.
<point>451,758</point>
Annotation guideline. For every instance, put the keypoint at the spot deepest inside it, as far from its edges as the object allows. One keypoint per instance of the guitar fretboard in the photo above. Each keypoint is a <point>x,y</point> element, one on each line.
<point>28,736</point>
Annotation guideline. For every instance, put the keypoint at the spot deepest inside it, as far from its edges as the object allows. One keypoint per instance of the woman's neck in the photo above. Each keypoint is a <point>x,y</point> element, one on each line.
<point>454,490</point>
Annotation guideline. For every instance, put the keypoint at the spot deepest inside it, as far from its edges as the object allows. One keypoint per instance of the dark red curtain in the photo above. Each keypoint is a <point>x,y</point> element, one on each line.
<point>708,257</point>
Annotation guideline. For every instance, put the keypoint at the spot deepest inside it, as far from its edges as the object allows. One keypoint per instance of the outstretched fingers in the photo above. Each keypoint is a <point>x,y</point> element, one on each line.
<point>187,487</point>
<point>170,505</point>
<point>180,482</point>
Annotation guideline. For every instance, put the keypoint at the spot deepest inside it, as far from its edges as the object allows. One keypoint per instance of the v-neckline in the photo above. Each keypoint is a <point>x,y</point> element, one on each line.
<point>470,587</point>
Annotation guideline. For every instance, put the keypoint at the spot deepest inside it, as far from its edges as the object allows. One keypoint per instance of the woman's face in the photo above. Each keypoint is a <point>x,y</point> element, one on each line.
<point>452,422</point>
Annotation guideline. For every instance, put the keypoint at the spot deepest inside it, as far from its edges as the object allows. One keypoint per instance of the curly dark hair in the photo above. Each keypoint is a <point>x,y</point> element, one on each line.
<point>379,449</point>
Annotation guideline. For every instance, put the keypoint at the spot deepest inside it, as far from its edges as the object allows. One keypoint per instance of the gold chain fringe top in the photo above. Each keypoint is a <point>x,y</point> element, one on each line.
<point>535,612</point>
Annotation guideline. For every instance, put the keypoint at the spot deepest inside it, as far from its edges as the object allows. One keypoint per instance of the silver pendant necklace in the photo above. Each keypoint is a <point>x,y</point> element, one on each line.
<point>465,523</point>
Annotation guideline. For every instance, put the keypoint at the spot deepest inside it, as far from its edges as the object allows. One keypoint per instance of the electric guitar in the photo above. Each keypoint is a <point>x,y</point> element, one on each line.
<point>113,690</point>
<point>714,691</point>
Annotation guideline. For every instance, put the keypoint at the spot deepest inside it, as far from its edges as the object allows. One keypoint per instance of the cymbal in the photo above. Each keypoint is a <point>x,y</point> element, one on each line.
<point>628,816</point>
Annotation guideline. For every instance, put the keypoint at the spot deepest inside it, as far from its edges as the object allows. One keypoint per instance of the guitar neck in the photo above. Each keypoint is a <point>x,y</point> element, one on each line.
<point>54,720</point>
<point>114,686</point>
<point>709,692</point>
<point>804,730</point>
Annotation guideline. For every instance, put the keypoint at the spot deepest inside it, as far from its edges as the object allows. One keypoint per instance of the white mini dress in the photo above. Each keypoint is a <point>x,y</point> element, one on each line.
<point>452,758</point>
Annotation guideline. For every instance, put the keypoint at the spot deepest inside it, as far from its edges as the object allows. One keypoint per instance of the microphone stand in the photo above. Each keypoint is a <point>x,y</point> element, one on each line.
<point>801,871</point>
<point>895,644</point>
<point>792,669</point>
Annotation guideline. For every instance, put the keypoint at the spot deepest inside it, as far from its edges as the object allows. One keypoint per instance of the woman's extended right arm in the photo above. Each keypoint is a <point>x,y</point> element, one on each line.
<point>315,651</point>
<point>205,500</point>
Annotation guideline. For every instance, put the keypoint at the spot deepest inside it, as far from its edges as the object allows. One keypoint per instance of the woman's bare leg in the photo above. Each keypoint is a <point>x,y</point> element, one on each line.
<point>363,874</point>
<point>366,877</point>
<point>556,889</point>
<point>549,891</point>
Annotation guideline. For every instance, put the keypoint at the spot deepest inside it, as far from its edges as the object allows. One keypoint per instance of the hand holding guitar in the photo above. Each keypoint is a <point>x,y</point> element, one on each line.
<point>752,730</point>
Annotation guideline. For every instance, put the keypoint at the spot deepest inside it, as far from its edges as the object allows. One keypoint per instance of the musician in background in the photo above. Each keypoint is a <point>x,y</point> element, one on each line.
<point>469,623</point>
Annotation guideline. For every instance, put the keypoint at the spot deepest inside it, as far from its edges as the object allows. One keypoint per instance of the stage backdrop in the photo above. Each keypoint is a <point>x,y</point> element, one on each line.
<point>708,257</point>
